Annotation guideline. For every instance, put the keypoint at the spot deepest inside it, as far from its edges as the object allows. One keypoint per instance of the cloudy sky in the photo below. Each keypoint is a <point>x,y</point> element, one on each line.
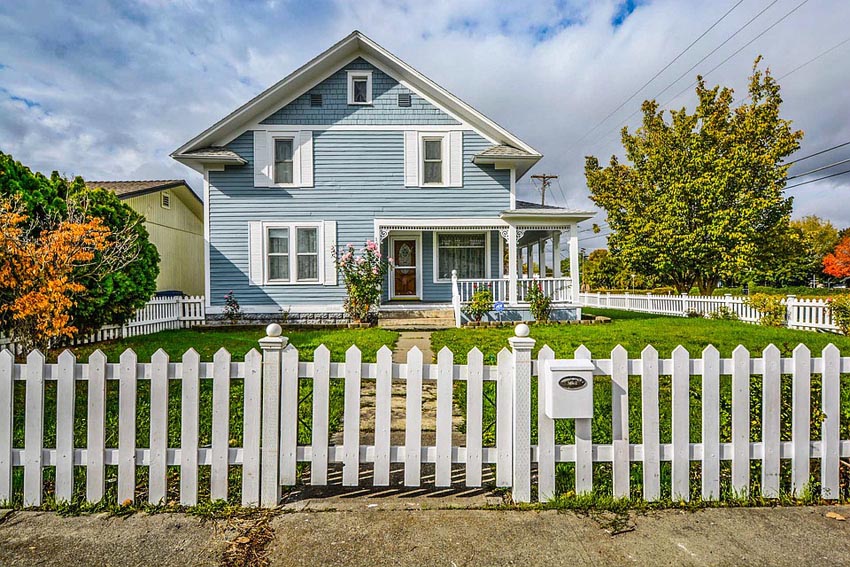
<point>107,90</point>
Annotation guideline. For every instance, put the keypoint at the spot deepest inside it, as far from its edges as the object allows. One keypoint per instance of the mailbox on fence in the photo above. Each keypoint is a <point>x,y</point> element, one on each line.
<point>568,388</point>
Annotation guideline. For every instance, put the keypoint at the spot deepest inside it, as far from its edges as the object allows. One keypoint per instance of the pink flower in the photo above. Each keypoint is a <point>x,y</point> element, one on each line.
<point>390,260</point>
<point>375,271</point>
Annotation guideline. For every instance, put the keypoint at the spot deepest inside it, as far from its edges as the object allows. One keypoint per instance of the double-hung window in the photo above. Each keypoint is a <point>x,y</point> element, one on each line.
<point>432,161</point>
<point>293,253</point>
<point>283,161</point>
<point>464,252</point>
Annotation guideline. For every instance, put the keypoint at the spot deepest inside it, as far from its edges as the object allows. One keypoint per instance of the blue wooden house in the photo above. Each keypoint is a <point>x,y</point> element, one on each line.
<point>357,145</point>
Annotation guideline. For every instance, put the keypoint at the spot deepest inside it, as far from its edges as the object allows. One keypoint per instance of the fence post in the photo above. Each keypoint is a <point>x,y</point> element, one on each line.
<point>628,302</point>
<point>521,345</point>
<point>684,304</point>
<point>272,345</point>
<point>727,301</point>
<point>791,311</point>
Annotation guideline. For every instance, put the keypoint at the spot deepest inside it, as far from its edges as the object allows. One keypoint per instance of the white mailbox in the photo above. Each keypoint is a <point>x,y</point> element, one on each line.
<point>568,389</point>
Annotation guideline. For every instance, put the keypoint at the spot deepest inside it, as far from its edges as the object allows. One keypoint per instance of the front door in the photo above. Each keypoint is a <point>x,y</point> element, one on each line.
<point>404,269</point>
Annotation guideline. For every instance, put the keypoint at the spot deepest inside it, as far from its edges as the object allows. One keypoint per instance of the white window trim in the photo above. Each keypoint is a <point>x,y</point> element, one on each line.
<point>293,254</point>
<point>417,236</point>
<point>273,137</point>
<point>431,136</point>
<point>359,75</point>
<point>436,246</point>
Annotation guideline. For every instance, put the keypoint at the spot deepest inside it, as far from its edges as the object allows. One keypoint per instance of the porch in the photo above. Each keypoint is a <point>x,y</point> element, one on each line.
<point>444,260</point>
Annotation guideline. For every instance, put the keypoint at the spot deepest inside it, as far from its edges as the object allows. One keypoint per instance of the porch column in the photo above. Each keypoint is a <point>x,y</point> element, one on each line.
<point>574,261</point>
<point>513,264</point>
<point>556,253</point>
<point>541,257</point>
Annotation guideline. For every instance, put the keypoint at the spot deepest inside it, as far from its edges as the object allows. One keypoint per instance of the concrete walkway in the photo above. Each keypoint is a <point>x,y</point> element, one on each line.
<point>791,536</point>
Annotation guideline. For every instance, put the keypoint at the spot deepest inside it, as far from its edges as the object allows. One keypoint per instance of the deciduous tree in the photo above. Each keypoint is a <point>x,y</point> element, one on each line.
<point>702,197</point>
<point>837,263</point>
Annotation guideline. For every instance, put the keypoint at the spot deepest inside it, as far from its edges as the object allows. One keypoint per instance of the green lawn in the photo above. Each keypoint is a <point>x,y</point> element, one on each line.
<point>175,343</point>
<point>634,331</point>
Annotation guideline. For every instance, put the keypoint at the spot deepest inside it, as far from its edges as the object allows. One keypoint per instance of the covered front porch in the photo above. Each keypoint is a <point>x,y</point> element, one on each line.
<point>443,261</point>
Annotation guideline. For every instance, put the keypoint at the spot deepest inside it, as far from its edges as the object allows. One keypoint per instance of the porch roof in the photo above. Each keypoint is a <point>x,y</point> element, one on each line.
<point>525,211</point>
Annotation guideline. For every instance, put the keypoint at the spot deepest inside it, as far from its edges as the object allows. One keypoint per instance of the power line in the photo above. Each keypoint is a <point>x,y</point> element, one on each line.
<point>846,171</point>
<point>819,153</point>
<point>656,75</point>
<point>740,49</point>
<point>818,169</point>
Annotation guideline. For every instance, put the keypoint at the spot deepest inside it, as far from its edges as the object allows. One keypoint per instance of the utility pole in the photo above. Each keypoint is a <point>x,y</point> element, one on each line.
<point>545,179</point>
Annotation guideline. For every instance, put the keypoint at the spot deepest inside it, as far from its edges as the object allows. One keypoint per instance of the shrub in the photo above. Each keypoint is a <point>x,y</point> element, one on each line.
<point>694,313</point>
<point>363,275</point>
<point>839,307</point>
<point>770,308</point>
<point>232,310</point>
<point>723,313</point>
<point>480,304</point>
<point>539,303</point>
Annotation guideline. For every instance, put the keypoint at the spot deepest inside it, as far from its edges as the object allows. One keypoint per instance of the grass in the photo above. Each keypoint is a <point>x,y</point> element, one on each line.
<point>175,343</point>
<point>635,331</point>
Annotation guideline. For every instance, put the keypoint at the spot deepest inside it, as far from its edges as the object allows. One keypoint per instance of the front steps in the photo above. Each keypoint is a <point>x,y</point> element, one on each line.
<point>412,318</point>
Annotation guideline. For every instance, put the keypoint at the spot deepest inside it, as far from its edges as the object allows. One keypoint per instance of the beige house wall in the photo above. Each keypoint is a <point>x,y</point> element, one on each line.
<point>178,235</point>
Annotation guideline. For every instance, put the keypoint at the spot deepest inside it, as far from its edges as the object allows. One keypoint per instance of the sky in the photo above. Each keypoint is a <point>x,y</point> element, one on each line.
<point>107,90</point>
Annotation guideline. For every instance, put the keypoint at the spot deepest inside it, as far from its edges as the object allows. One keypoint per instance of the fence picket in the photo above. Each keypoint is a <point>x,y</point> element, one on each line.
<point>800,419</point>
<point>620,420</point>
<point>504,403</point>
<point>383,416</point>
<point>220,425</point>
<point>65,402</point>
<point>771,406</point>
<point>710,423</point>
<point>251,429</point>
<point>34,430</point>
<point>289,396</point>
<point>681,466</point>
<point>413,419</point>
<point>321,397</point>
<point>474,416</point>
<point>443,465</point>
<point>831,402</point>
<point>741,421</point>
<point>96,427</point>
<point>351,418</point>
<point>545,435</point>
<point>157,470</point>
<point>189,406</point>
<point>584,443</point>
<point>7,415</point>
<point>649,424</point>
<point>127,428</point>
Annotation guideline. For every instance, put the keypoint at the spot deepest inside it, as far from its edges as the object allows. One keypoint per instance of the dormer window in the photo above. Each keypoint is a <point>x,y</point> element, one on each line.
<point>360,87</point>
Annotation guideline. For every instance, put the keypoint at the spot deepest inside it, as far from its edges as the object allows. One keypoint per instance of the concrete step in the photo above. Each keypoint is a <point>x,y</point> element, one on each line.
<point>421,323</point>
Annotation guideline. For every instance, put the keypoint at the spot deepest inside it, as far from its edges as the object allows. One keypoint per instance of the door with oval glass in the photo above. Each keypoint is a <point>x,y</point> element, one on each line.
<point>405,280</point>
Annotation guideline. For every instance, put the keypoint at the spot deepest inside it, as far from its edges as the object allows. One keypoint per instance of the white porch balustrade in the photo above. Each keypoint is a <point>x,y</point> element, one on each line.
<point>558,289</point>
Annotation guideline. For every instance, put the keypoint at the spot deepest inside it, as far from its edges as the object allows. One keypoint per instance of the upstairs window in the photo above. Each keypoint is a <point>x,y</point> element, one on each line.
<point>432,162</point>
<point>360,87</point>
<point>283,164</point>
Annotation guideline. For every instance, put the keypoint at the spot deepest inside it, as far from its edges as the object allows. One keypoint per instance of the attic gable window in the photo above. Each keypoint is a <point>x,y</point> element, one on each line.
<point>360,87</point>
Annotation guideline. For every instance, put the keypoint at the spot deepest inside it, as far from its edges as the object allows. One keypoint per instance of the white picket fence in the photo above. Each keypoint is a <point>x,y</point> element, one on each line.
<point>271,452</point>
<point>810,314</point>
<point>158,314</point>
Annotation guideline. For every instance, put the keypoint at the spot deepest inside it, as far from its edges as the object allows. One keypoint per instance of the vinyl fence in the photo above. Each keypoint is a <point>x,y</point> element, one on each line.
<point>158,314</point>
<point>809,314</point>
<point>273,400</point>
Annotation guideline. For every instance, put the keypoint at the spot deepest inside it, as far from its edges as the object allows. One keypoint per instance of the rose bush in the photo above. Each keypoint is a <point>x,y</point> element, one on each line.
<point>363,274</point>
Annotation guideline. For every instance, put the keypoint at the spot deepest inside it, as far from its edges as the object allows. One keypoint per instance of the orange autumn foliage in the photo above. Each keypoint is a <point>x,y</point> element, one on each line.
<point>837,263</point>
<point>37,267</point>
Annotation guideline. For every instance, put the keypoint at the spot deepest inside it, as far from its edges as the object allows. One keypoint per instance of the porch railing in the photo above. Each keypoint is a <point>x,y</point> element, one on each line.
<point>559,289</point>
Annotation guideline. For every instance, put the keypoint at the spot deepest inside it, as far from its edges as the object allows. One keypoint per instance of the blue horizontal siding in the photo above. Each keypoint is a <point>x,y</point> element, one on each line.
<point>336,110</point>
<point>358,176</point>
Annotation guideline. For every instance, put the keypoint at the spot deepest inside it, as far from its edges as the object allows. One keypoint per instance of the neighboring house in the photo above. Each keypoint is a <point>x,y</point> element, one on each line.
<point>174,218</point>
<point>357,145</point>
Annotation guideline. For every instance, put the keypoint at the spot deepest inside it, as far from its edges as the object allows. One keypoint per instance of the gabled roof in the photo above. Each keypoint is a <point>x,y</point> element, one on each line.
<point>130,189</point>
<point>319,68</point>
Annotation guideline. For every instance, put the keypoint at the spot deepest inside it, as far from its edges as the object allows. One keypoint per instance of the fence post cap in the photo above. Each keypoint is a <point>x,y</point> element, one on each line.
<point>522,330</point>
<point>273,340</point>
<point>273,330</point>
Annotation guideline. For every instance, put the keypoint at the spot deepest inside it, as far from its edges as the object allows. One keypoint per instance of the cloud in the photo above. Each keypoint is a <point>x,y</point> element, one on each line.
<point>107,89</point>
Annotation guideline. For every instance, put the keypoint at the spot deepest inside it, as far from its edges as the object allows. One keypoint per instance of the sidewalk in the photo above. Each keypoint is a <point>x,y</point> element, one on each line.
<point>383,534</point>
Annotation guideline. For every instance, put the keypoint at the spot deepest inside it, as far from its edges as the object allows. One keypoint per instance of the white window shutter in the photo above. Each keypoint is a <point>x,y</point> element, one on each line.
<point>262,167</point>
<point>306,144</point>
<point>411,158</point>
<point>330,242</point>
<point>456,158</point>
<point>255,253</point>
